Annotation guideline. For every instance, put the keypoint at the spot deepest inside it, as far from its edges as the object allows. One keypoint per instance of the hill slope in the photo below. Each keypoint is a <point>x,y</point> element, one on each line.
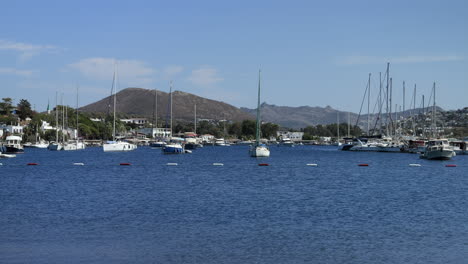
<point>139,102</point>
<point>302,116</point>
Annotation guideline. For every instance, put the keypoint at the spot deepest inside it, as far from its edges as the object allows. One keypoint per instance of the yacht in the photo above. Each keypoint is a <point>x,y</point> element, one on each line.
<point>175,144</point>
<point>113,145</point>
<point>221,142</point>
<point>258,149</point>
<point>286,142</point>
<point>13,145</point>
<point>438,149</point>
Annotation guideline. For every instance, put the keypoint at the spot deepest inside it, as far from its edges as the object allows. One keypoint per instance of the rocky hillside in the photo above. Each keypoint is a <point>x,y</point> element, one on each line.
<point>302,116</point>
<point>138,102</point>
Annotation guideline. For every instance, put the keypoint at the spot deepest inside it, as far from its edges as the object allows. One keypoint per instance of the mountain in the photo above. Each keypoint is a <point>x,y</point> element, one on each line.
<point>302,116</point>
<point>139,102</point>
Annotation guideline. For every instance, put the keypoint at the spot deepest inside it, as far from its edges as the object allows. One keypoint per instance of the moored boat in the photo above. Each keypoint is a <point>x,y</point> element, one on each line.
<point>258,149</point>
<point>438,149</point>
<point>13,145</point>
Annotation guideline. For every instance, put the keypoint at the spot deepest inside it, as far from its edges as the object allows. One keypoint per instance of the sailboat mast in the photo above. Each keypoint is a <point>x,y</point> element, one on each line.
<point>115,99</point>
<point>387,87</point>
<point>77,129</point>
<point>434,112</point>
<point>63,119</point>
<point>368,107</point>
<point>195,119</point>
<point>170,102</point>
<point>56,117</point>
<point>390,103</point>
<point>349,122</point>
<point>257,130</point>
<point>338,126</point>
<point>414,112</point>
<point>404,93</point>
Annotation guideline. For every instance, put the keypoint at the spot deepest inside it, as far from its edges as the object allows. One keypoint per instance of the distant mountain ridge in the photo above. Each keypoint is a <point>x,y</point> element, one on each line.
<point>139,102</point>
<point>303,116</point>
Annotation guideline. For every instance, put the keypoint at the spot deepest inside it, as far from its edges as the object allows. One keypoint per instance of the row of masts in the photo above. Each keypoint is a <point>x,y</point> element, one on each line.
<point>64,116</point>
<point>387,123</point>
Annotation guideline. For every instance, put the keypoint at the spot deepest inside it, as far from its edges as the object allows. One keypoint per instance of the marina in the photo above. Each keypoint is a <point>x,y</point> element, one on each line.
<point>304,204</point>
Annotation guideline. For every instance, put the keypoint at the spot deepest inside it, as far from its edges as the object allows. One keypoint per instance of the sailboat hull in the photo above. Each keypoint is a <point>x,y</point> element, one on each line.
<point>54,146</point>
<point>118,146</point>
<point>173,149</point>
<point>259,151</point>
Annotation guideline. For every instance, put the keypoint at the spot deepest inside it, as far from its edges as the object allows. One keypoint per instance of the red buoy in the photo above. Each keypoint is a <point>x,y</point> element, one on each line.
<point>263,164</point>
<point>32,164</point>
<point>363,165</point>
<point>450,165</point>
<point>125,164</point>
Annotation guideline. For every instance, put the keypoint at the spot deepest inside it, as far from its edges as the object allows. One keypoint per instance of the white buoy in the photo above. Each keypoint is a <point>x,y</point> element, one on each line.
<point>78,164</point>
<point>415,165</point>
<point>171,164</point>
<point>218,164</point>
<point>312,164</point>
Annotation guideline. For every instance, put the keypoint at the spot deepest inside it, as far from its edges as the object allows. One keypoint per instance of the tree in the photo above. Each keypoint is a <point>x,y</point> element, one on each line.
<point>6,106</point>
<point>269,130</point>
<point>248,128</point>
<point>24,109</point>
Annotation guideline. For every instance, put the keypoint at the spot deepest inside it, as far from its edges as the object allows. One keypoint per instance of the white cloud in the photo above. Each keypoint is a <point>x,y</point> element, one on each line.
<point>205,76</point>
<point>170,71</point>
<point>130,72</point>
<point>361,60</point>
<point>12,71</point>
<point>26,51</point>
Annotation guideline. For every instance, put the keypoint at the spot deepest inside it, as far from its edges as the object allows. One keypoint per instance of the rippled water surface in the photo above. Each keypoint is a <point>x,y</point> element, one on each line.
<point>195,212</point>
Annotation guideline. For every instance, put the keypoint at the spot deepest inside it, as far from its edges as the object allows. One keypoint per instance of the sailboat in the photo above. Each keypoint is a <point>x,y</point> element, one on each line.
<point>156,143</point>
<point>114,146</point>
<point>172,147</point>
<point>258,149</point>
<point>55,145</point>
<point>75,145</point>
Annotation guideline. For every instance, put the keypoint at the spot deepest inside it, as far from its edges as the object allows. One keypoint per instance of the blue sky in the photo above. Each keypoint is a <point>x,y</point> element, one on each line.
<point>314,53</point>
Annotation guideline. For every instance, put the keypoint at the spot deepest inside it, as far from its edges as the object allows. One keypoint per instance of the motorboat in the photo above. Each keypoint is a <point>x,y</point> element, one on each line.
<point>13,145</point>
<point>438,149</point>
<point>286,142</point>
<point>221,142</point>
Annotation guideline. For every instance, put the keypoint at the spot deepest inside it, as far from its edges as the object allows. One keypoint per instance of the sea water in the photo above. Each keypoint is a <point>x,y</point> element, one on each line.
<point>195,212</point>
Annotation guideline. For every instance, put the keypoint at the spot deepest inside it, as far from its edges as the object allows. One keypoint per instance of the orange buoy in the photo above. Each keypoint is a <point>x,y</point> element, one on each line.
<point>32,164</point>
<point>363,165</point>
<point>125,164</point>
<point>263,164</point>
<point>450,165</point>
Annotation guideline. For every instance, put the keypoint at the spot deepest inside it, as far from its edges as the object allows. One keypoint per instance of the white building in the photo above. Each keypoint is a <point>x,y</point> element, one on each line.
<point>156,132</point>
<point>15,130</point>
<point>294,136</point>
<point>138,121</point>
<point>46,126</point>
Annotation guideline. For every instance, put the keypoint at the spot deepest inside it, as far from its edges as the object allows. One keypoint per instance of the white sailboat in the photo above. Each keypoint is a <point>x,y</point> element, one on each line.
<point>173,147</point>
<point>258,149</point>
<point>76,144</point>
<point>55,145</point>
<point>114,146</point>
